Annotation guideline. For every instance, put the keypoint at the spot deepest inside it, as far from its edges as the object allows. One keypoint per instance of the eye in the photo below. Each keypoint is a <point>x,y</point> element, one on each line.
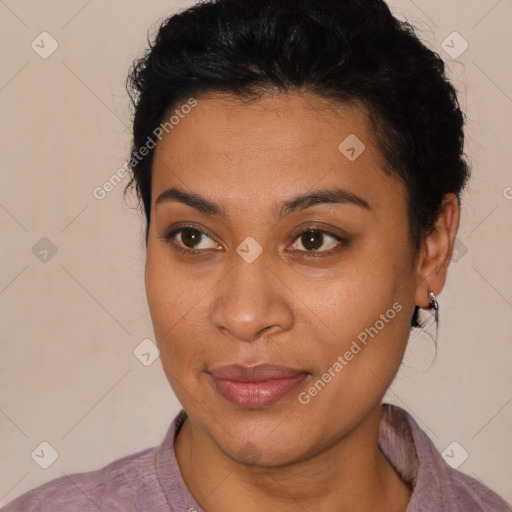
<point>186,239</point>
<point>312,239</point>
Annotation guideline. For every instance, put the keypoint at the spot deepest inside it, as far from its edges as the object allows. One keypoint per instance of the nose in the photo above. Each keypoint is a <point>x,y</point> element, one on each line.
<point>251,301</point>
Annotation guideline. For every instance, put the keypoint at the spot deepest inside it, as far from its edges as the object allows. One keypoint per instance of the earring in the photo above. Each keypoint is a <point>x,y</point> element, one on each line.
<point>434,305</point>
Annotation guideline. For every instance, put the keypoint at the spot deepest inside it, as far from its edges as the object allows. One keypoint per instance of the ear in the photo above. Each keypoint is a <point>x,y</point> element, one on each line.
<point>436,252</point>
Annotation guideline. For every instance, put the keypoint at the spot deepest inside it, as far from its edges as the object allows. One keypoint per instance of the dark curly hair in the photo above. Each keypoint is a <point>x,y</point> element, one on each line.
<point>344,50</point>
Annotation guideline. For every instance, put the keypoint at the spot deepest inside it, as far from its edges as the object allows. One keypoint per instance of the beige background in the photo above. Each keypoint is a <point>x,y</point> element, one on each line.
<point>68,375</point>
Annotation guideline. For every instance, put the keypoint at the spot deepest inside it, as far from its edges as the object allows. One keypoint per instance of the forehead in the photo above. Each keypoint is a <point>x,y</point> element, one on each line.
<point>255,150</point>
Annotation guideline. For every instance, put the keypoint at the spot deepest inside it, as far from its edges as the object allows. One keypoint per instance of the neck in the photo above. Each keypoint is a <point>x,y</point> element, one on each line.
<point>352,474</point>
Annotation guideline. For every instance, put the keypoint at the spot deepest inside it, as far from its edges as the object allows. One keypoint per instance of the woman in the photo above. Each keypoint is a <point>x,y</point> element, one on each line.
<point>300,165</point>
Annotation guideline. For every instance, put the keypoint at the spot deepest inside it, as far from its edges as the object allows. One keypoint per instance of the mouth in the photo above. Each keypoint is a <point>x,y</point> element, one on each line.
<point>258,386</point>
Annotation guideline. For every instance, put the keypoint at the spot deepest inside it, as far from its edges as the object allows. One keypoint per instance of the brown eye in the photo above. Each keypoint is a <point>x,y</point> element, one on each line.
<point>188,239</point>
<point>314,239</point>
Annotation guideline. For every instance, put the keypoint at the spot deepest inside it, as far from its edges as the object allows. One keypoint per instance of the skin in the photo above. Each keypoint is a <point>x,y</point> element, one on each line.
<point>285,307</point>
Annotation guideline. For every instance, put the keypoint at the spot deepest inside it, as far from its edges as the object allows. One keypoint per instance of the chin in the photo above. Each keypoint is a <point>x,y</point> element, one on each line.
<point>278,449</point>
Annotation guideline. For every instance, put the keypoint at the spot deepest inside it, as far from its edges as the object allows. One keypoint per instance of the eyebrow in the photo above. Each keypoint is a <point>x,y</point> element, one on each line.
<point>300,202</point>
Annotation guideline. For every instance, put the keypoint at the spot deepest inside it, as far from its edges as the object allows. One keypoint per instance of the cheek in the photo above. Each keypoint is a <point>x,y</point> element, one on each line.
<point>170,294</point>
<point>178,303</point>
<point>344,301</point>
<point>363,311</point>
<point>173,307</point>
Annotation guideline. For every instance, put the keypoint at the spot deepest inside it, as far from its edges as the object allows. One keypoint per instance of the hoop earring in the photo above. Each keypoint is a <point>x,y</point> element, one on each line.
<point>416,340</point>
<point>434,305</point>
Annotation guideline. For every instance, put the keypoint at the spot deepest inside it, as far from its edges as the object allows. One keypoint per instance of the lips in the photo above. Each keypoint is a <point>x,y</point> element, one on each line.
<point>257,386</point>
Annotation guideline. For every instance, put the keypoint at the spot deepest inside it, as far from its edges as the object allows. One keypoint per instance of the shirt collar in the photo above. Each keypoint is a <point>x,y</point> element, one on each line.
<point>406,446</point>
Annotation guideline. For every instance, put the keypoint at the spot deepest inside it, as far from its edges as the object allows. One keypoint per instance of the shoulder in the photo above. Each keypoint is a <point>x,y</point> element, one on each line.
<point>465,493</point>
<point>120,485</point>
<point>436,485</point>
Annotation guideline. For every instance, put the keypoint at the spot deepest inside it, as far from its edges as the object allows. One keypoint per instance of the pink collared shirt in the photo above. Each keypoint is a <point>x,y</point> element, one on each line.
<point>150,480</point>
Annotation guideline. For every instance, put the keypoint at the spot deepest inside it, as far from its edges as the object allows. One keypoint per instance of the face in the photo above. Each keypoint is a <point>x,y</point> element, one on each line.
<point>240,272</point>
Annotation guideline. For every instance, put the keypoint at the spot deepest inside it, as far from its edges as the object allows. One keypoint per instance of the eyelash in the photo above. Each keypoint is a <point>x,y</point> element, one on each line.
<point>167,237</point>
